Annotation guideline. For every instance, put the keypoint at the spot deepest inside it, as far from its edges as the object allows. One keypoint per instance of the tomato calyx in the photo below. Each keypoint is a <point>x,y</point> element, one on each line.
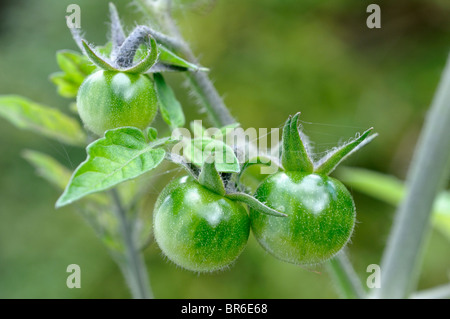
<point>296,155</point>
<point>124,53</point>
<point>222,183</point>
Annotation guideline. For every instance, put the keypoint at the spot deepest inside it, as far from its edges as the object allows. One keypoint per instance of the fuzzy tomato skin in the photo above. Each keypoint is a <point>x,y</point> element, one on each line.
<point>109,99</point>
<point>321,217</point>
<point>198,229</point>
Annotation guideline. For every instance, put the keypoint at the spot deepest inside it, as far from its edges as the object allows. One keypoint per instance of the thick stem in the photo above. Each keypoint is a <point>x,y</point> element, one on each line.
<point>439,292</point>
<point>428,171</point>
<point>345,277</point>
<point>135,271</point>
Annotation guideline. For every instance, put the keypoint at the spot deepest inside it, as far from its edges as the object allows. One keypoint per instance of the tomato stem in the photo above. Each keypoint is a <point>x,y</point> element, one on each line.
<point>430,168</point>
<point>200,83</point>
<point>345,276</point>
<point>133,267</point>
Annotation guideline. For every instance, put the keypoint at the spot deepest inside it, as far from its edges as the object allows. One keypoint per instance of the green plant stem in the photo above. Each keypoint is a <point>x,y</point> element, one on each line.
<point>199,81</point>
<point>345,277</point>
<point>133,266</point>
<point>439,292</point>
<point>428,171</point>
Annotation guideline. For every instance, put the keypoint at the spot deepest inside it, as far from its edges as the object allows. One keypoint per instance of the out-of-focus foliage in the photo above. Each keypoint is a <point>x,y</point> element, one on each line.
<point>269,59</point>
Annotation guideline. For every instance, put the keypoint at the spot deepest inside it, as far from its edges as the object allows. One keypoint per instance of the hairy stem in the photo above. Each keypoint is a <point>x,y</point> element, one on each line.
<point>428,171</point>
<point>200,82</point>
<point>133,266</point>
<point>345,277</point>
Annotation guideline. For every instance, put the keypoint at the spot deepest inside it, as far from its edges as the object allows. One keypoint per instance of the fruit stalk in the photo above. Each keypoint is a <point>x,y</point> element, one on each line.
<point>133,267</point>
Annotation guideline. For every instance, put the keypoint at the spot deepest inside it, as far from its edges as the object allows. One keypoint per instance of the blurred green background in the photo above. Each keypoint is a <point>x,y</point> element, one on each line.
<point>269,59</point>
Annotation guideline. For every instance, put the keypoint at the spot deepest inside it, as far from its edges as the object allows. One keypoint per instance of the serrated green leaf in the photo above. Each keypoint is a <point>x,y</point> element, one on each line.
<point>74,64</point>
<point>41,119</point>
<point>121,155</point>
<point>197,150</point>
<point>391,190</point>
<point>330,161</point>
<point>171,110</point>
<point>48,168</point>
<point>294,156</point>
<point>75,68</point>
<point>65,85</point>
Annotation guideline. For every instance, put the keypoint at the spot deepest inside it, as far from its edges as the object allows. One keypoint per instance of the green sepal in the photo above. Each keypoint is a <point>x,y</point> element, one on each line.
<point>330,161</point>
<point>252,202</point>
<point>294,155</point>
<point>210,178</point>
<point>96,59</point>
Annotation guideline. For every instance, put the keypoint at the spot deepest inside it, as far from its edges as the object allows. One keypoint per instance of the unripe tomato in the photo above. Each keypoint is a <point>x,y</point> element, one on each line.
<point>109,99</point>
<point>198,229</point>
<point>320,221</point>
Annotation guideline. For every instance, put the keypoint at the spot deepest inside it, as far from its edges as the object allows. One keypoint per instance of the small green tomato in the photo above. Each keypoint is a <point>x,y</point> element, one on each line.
<point>112,99</point>
<point>321,217</point>
<point>198,229</point>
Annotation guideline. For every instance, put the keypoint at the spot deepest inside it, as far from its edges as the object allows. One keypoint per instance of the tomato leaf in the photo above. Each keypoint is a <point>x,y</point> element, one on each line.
<point>197,150</point>
<point>48,168</point>
<point>41,119</point>
<point>252,202</point>
<point>75,68</point>
<point>294,155</point>
<point>392,190</point>
<point>171,110</point>
<point>121,155</point>
<point>210,178</point>
<point>330,161</point>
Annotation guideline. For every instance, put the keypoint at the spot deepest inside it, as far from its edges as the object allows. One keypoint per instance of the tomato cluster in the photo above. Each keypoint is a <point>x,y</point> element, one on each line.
<point>204,228</point>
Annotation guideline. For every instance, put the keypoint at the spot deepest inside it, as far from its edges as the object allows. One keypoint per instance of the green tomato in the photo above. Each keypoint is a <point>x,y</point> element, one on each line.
<point>109,99</point>
<point>321,217</point>
<point>198,229</point>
